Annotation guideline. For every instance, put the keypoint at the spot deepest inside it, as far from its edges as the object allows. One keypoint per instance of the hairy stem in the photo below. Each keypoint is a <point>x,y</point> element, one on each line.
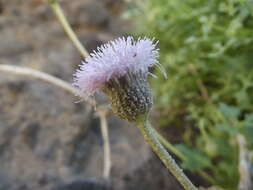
<point>169,146</point>
<point>67,28</point>
<point>150,136</point>
<point>180,155</point>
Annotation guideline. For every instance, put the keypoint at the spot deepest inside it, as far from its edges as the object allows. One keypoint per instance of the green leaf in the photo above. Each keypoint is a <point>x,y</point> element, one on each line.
<point>230,112</point>
<point>225,127</point>
<point>249,119</point>
<point>195,158</point>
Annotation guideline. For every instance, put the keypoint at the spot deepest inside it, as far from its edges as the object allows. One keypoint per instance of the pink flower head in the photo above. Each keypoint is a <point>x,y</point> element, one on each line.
<point>113,60</point>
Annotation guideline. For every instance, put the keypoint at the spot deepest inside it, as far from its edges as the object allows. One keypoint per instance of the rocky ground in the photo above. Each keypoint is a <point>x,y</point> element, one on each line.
<point>46,141</point>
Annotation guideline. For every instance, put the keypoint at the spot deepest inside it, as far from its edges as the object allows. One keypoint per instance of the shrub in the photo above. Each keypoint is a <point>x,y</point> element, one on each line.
<point>206,49</point>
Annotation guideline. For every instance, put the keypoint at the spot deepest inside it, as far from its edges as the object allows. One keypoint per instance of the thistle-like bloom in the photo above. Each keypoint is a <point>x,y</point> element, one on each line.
<point>120,69</point>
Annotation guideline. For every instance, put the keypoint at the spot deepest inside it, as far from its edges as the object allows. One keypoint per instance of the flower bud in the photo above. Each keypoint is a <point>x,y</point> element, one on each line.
<point>130,96</point>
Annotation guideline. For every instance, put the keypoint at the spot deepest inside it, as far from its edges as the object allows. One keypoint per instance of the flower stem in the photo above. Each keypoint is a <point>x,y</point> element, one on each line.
<point>151,137</point>
<point>71,34</point>
<point>170,147</point>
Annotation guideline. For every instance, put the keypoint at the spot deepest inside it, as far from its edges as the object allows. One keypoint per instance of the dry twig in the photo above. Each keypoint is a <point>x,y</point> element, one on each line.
<point>32,73</point>
<point>102,112</point>
<point>245,182</point>
<point>67,28</point>
<point>105,134</point>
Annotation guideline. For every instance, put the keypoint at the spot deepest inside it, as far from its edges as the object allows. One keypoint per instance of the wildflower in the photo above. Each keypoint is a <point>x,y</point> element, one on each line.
<point>120,69</point>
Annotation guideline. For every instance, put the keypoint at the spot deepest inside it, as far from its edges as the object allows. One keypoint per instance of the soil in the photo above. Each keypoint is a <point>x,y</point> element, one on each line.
<point>47,142</point>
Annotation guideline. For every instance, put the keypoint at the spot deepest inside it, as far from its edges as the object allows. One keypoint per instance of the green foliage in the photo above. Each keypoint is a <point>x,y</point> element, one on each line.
<point>206,48</point>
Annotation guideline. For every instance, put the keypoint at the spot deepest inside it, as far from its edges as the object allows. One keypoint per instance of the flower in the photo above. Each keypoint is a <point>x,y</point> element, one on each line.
<point>120,68</point>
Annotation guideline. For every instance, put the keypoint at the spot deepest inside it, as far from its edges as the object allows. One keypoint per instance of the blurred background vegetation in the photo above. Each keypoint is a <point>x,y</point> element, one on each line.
<point>206,48</point>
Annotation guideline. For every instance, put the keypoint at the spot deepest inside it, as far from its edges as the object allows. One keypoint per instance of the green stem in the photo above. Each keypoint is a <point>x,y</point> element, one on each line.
<point>207,177</point>
<point>150,136</point>
<point>169,146</point>
<point>172,149</point>
<point>71,34</point>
